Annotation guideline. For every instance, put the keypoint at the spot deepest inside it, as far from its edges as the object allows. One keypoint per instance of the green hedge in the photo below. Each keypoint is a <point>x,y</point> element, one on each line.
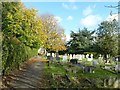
<point>13,55</point>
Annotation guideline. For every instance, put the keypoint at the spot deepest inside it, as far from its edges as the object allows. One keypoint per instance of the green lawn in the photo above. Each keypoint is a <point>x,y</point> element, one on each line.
<point>56,72</point>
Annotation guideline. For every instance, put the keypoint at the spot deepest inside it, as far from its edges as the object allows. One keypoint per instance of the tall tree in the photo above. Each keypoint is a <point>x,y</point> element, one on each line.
<point>81,41</point>
<point>107,38</point>
<point>55,33</point>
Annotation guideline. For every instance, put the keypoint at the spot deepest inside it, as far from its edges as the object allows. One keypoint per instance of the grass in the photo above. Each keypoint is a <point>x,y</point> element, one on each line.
<point>77,79</point>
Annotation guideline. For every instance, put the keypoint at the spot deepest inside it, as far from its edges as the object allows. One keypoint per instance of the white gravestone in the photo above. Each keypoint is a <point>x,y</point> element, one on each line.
<point>117,68</point>
<point>74,56</point>
<point>70,56</point>
<point>65,58</point>
<point>53,55</point>
<point>48,54</point>
<point>87,56</point>
<point>90,58</point>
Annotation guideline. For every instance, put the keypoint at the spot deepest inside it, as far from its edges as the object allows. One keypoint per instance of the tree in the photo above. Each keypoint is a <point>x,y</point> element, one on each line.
<point>81,41</point>
<point>21,32</point>
<point>107,38</point>
<point>55,34</point>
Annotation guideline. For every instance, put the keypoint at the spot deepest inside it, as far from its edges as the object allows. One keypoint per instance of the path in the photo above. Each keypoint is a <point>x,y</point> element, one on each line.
<point>30,76</point>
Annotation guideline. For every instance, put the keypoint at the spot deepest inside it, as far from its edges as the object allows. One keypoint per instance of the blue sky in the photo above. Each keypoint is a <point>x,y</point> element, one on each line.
<point>75,15</point>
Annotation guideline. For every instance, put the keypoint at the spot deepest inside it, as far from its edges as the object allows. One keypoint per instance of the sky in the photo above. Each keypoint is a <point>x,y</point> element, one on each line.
<point>74,15</point>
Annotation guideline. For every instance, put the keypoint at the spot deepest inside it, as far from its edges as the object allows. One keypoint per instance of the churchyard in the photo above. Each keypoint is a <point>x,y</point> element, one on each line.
<point>83,72</point>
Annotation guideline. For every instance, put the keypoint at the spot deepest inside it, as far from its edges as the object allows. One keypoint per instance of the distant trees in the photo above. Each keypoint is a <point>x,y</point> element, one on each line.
<point>102,41</point>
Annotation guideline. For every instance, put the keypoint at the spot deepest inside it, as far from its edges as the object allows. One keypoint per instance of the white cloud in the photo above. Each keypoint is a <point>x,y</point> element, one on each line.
<point>68,37</point>
<point>112,17</point>
<point>87,11</point>
<point>91,21</point>
<point>69,6</point>
<point>59,19</point>
<point>69,18</point>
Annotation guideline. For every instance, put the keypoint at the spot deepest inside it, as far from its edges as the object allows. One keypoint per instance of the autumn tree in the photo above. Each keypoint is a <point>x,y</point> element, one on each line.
<point>55,33</point>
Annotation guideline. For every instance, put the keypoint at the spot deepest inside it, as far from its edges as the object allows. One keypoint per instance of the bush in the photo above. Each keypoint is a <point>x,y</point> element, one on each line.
<point>13,55</point>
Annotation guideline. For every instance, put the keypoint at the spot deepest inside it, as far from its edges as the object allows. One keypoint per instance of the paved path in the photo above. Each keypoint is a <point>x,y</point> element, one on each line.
<point>30,76</point>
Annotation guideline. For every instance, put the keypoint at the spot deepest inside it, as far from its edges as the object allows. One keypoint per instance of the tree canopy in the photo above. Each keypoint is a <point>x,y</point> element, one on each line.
<point>81,41</point>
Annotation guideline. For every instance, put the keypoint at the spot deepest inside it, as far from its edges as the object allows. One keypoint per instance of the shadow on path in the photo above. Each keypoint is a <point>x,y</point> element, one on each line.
<point>29,76</point>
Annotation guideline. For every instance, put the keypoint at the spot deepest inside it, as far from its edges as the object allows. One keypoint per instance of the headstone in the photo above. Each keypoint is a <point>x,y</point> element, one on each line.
<point>70,56</point>
<point>83,56</point>
<point>74,56</point>
<point>65,58</point>
<point>92,56</point>
<point>50,58</point>
<point>87,56</point>
<point>100,60</point>
<point>94,62</point>
<point>107,67</point>
<point>48,54</point>
<point>74,61</point>
<point>117,68</point>
<point>88,69</point>
<point>80,57</point>
<point>53,55</point>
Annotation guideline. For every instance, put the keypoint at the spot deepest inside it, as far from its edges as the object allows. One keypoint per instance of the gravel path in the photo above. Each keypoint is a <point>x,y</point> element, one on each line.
<point>29,76</point>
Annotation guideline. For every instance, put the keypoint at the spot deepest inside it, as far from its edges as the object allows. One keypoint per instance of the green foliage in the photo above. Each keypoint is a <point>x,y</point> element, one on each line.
<point>19,38</point>
<point>81,41</point>
<point>24,32</point>
<point>107,38</point>
<point>14,55</point>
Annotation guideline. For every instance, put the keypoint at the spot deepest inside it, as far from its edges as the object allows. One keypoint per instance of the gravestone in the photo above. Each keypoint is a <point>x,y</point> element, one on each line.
<point>87,56</point>
<point>48,54</point>
<point>74,61</point>
<point>80,57</point>
<point>94,62</point>
<point>50,58</point>
<point>53,55</point>
<point>88,69</point>
<point>74,56</point>
<point>65,58</point>
<point>117,68</point>
<point>70,56</point>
